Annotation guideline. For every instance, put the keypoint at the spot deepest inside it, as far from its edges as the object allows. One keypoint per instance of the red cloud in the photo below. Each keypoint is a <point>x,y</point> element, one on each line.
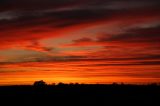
<point>36,46</point>
<point>27,29</point>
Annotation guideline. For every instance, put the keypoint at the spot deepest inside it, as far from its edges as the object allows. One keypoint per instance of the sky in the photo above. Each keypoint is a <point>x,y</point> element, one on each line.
<point>84,41</point>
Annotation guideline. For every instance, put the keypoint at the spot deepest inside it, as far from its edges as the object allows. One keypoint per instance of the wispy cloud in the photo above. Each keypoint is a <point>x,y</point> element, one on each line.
<point>80,35</point>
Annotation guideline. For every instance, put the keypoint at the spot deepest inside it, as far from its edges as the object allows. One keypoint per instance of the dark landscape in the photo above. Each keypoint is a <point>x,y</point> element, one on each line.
<point>81,94</point>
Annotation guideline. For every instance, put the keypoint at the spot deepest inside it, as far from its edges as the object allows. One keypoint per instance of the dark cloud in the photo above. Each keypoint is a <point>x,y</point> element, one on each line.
<point>127,74</point>
<point>53,18</point>
<point>147,59</point>
<point>83,40</point>
<point>124,64</point>
<point>135,35</point>
<point>47,3</point>
<point>75,10</point>
<point>41,61</point>
<point>36,46</point>
<point>33,5</point>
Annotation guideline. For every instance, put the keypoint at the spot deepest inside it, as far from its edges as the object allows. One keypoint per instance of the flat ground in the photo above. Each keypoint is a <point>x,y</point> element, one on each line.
<point>81,95</point>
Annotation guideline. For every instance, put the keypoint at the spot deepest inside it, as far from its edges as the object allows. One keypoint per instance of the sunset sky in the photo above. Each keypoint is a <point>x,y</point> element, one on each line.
<point>84,41</point>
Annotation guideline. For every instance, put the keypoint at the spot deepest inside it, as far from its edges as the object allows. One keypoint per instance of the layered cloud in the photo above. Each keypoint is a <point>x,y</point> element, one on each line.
<point>81,35</point>
<point>25,20</point>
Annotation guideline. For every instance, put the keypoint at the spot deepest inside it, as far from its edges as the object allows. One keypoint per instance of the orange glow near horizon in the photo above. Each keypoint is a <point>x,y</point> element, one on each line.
<point>72,73</point>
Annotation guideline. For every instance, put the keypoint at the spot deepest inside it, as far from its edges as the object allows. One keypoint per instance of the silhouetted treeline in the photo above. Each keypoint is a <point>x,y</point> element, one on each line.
<point>81,94</point>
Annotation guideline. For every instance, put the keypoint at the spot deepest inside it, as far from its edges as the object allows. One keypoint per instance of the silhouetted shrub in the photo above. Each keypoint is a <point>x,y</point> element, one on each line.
<point>40,83</point>
<point>61,84</point>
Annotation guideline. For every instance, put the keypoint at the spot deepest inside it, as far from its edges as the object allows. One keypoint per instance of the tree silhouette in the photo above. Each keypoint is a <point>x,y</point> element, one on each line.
<point>40,83</point>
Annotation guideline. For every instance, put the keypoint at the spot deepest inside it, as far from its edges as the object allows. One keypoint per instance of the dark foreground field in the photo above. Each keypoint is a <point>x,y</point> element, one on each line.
<point>81,95</point>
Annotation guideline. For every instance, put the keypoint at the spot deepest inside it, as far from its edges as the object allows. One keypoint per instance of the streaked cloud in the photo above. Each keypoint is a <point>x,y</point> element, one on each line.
<point>72,38</point>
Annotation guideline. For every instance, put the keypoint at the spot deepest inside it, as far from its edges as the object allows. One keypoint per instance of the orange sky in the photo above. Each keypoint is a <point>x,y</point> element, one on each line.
<point>80,41</point>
